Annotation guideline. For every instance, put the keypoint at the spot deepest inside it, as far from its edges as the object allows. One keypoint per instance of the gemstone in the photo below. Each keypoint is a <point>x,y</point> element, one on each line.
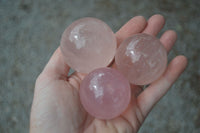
<point>105,93</point>
<point>141,58</point>
<point>87,44</point>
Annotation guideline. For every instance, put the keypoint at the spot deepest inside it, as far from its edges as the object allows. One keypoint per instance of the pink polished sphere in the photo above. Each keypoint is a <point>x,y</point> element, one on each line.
<point>141,58</point>
<point>105,93</point>
<point>87,44</point>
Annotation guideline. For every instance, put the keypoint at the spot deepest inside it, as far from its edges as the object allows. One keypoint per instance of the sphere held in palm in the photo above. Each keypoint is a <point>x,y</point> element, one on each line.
<point>141,58</point>
<point>87,44</point>
<point>105,93</point>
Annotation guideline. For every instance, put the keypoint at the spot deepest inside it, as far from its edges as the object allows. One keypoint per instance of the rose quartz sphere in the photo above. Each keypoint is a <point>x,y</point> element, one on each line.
<point>141,58</point>
<point>105,93</point>
<point>87,44</point>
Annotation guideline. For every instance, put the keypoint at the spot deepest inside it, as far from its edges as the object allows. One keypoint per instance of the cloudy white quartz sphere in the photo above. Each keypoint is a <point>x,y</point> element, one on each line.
<point>141,58</point>
<point>105,93</point>
<point>87,44</point>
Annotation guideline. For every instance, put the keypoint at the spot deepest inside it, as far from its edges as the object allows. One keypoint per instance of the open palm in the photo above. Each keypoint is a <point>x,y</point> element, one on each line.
<point>56,105</point>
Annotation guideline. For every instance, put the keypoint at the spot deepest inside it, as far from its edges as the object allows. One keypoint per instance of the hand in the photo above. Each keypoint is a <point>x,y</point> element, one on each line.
<point>56,106</point>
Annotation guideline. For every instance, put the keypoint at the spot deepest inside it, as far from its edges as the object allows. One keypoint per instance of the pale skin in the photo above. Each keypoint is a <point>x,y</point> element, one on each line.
<point>56,105</point>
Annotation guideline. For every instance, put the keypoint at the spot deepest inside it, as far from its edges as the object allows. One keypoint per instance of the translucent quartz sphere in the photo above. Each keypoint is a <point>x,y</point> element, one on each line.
<point>141,58</point>
<point>105,93</point>
<point>87,44</point>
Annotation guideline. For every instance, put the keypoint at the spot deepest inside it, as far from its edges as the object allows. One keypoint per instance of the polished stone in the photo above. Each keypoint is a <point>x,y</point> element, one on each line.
<point>105,93</point>
<point>141,58</point>
<point>87,44</point>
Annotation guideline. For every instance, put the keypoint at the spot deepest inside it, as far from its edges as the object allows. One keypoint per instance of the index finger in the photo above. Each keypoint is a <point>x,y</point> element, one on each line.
<point>56,67</point>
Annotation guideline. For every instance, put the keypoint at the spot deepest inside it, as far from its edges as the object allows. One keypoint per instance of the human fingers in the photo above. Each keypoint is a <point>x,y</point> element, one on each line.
<point>154,25</point>
<point>168,39</point>
<point>56,67</point>
<point>151,95</point>
<point>133,26</point>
